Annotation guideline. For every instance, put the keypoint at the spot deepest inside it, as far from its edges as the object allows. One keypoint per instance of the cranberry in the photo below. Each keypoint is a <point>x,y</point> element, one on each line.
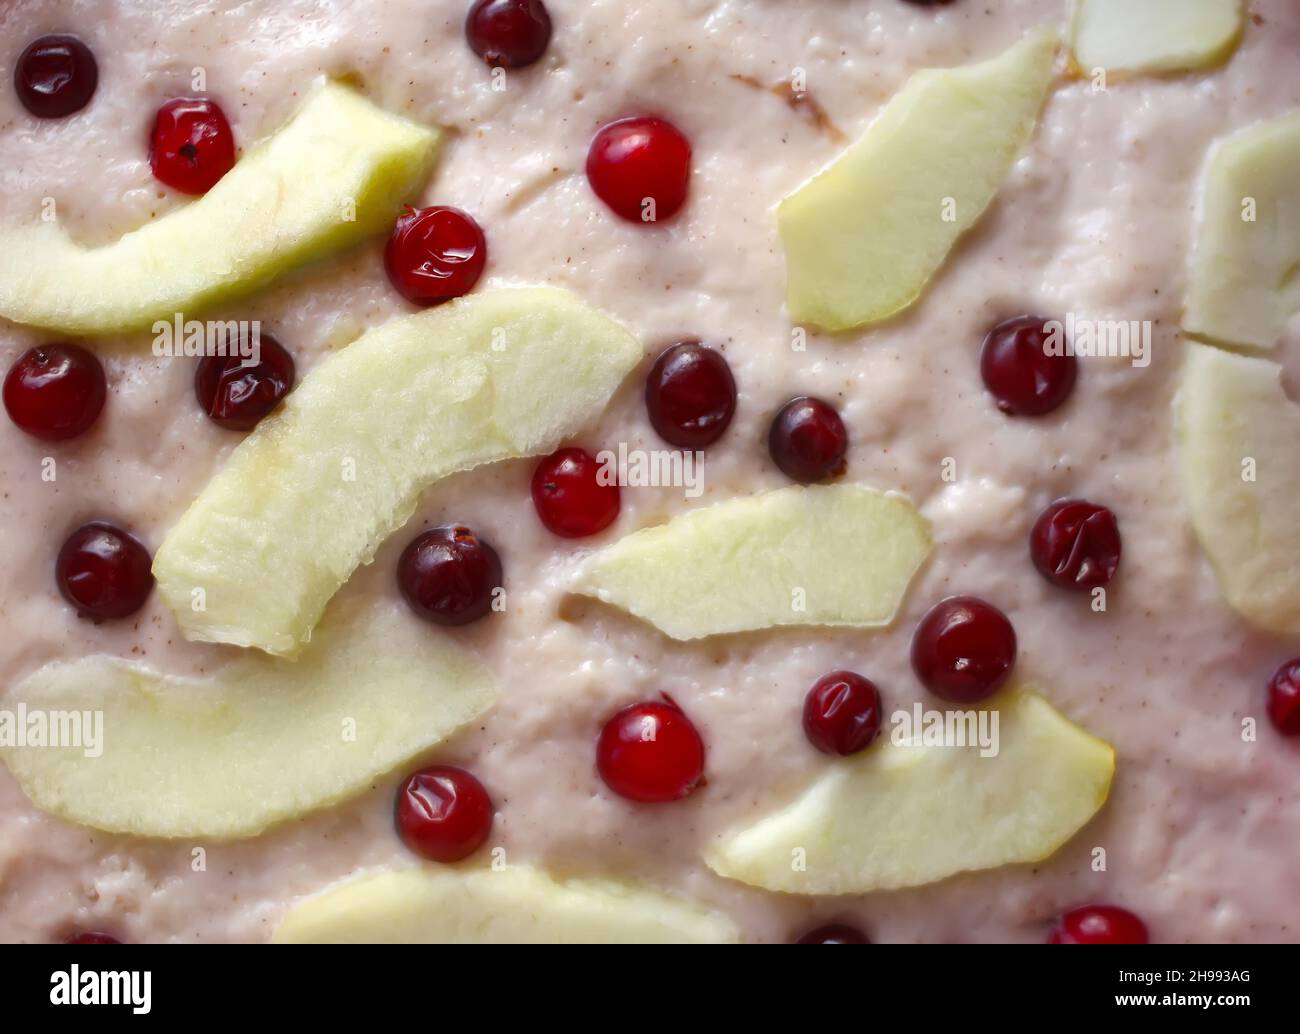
<point>55,391</point>
<point>508,33</point>
<point>1018,371</point>
<point>651,753</point>
<point>1075,544</point>
<point>103,571</point>
<point>448,575</point>
<point>638,160</point>
<point>236,396</point>
<point>834,933</point>
<point>91,938</point>
<point>1099,924</point>
<point>808,441</point>
<point>963,649</point>
<point>443,813</point>
<point>690,395</point>
<point>55,76</point>
<point>841,713</point>
<point>569,496</point>
<point>191,146</point>
<point>435,254</point>
<point>1284,698</point>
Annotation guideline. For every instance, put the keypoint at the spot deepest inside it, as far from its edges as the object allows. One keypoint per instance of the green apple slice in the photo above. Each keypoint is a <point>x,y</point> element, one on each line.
<point>312,492</point>
<point>514,905</point>
<point>1154,36</point>
<point>259,741</point>
<point>865,235</point>
<point>1237,435</point>
<point>1243,285</point>
<point>902,815</point>
<point>822,555</point>
<point>338,172</point>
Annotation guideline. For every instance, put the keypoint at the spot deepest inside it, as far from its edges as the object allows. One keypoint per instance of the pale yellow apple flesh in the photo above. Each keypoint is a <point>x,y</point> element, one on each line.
<point>1127,37</point>
<point>823,555</point>
<point>338,172</point>
<point>314,490</point>
<point>902,816</point>
<point>866,234</point>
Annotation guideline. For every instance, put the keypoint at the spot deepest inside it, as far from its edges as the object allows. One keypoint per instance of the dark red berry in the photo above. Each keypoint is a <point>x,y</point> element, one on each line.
<point>651,753</point>
<point>1020,373</point>
<point>103,571</point>
<point>191,145</point>
<point>963,649</point>
<point>508,33</point>
<point>573,495</point>
<point>1075,544</point>
<point>55,76</point>
<point>841,713</point>
<point>448,575</point>
<point>1099,924</point>
<point>690,395</point>
<point>635,161</point>
<point>808,441</point>
<point>834,933</point>
<point>443,813</point>
<point>55,392</point>
<point>435,254</point>
<point>1284,698</point>
<point>236,396</point>
<point>91,938</point>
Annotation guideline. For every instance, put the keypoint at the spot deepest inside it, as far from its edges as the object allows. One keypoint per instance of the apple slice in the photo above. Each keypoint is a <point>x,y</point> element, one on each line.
<point>865,235</point>
<point>1243,285</point>
<point>312,492</point>
<point>515,905</point>
<point>823,555</point>
<point>1155,36</point>
<point>260,741</point>
<point>1238,434</point>
<point>336,173</point>
<point>901,815</point>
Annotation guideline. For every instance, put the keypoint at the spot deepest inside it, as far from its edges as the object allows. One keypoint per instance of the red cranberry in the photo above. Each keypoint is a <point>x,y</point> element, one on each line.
<point>651,753</point>
<point>236,396</point>
<point>435,254</point>
<point>569,496</point>
<point>103,571</point>
<point>443,813</point>
<point>448,575</point>
<point>1018,371</point>
<point>55,76</point>
<point>191,146</point>
<point>834,933</point>
<point>1075,544</point>
<point>808,441</point>
<point>690,395</point>
<point>963,649</point>
<point>1284,698</point>
<point>91,938</point>
<point>1099,924</point>
<point>55,391</point>
<point>637,160</point>
<point>841,713</point>
<point>508,33</point>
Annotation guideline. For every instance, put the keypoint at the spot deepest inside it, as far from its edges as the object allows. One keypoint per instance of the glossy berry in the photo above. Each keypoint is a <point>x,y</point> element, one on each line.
<point>1018,371</point>
<point>963,649</point>
<point>443,813</point>
<point>1099,924</point>
<point>435,254</point>
<point>448,575</point>
<point>508,33</point>
<point>235,396</point>
<point>808,441</point>
<point>640,168</point>
<point>55,392</point>
<point>651,753</point>
<point>1075,544</point>
<point>690,395</point>
<point>570,496</point>
<point>91,938</point>
<point>1284,698</point>
<point>841,713</point>
<point>834,933</point>
<point>191,145</point>
<point>103,571</point>
<point>55,76</point>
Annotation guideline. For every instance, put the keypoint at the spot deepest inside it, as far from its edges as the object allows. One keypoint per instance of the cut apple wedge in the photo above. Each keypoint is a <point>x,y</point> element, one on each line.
<point>822,555</point>
<point>260,741</point>
<point>338,172</point>
<point>514,905</point>
<point>910,814</point>
<point>1238,435</point>
<point>865,235</point>
<point>1130,37</point>
<point>314,490</point>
